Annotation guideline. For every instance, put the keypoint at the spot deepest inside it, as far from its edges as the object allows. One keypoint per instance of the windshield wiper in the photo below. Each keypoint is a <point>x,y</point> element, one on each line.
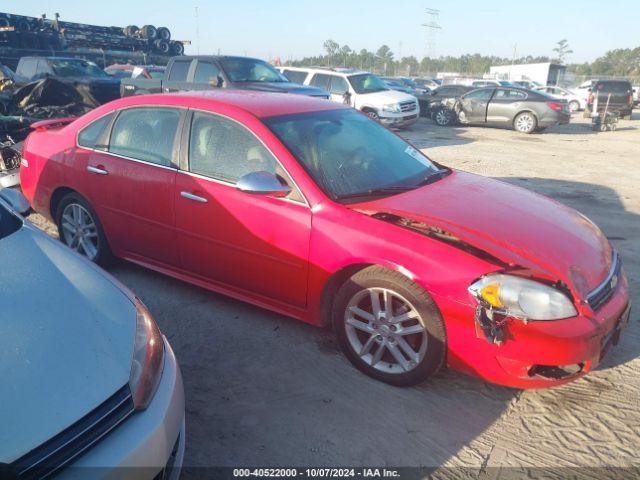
<point>434,177</point>
<point>375,192</point>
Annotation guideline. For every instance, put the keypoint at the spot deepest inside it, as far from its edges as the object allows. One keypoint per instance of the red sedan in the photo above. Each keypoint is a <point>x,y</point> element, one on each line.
<point>311,209</point>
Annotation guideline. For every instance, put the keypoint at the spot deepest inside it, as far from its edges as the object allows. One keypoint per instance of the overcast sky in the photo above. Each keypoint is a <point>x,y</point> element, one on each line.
<point>297,28</point>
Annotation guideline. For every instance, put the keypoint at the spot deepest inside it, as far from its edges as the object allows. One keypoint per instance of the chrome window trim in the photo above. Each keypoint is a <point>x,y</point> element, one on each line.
<point>232,184</point>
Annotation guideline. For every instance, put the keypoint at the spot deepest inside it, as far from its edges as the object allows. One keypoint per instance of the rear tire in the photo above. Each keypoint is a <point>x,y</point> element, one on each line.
<point>525,122</point>
<point>375,339</point>
<point>80,229</point>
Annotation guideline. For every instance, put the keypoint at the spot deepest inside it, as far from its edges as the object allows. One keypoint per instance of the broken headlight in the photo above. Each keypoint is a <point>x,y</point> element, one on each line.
<point>522,298</point>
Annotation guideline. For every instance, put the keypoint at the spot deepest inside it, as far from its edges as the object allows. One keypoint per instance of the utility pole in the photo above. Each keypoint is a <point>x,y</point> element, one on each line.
<point>432,26</point>
<point>197,32</point>
<point>513,59</point>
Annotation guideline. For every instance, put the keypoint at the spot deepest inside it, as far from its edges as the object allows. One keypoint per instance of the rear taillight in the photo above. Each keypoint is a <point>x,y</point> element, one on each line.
<point>555,106</point>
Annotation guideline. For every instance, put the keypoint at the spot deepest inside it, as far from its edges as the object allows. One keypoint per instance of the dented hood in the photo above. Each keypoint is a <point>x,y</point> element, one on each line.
<point>515,225</point>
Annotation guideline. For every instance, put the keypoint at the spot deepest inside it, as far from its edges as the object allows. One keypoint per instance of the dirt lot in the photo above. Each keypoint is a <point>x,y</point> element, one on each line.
<point>265,390</point>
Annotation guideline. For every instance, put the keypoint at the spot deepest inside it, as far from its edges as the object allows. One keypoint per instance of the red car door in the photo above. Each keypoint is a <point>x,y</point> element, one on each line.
<point>130,183</point>
<point>256,243</point>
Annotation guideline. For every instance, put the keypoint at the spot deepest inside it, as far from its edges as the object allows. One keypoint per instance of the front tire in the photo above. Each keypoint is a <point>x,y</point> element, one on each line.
<point>389,328</point>
<point>574,106</point>
<point>80,229</point>
<point>525,122</point>
<point>444,117</point>
<point>372,114</point>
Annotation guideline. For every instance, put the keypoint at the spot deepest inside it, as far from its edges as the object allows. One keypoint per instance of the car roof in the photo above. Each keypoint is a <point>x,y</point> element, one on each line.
<point>259,104</point>
<point>347,72</point>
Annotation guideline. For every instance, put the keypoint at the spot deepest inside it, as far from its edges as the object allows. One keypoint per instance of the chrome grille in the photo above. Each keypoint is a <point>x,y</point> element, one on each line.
<point>601,294</point>
<point>53,455</point>
<point>408,106</point>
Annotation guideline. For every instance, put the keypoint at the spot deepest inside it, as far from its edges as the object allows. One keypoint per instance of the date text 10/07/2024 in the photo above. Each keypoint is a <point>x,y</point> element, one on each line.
<point>316,473</point>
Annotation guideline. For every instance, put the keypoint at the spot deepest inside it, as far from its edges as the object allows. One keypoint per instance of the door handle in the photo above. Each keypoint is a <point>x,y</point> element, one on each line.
<point>98,170</point>
<point>193,197</point>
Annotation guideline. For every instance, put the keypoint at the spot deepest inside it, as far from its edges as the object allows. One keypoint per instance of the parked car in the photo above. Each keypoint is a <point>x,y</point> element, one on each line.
<point>88,380</point>
<point>135,71</point>
<point>584,89</point>
<point>363,91</point>
<point>324,215</point>
<point>69,70</point>
<point>406,85</point>
<point>529,84</point>
<point>489,83</point>
<point>442,101</point>
<point>614,95</point>
<point>213,72</point>
<point>576,102</point>
<point>525,111</point>
<point>430,83</point>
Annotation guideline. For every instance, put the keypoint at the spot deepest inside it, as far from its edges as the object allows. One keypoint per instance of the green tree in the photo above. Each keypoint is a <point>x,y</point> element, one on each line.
<point>562,50</point>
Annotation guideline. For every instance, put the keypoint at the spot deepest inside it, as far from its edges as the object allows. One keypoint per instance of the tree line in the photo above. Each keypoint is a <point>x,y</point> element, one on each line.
<point>620,62</point>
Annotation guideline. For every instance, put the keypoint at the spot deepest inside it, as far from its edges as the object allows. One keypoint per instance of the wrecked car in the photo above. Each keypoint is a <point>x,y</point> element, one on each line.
<point>324,215</point>
<point>526,111</point>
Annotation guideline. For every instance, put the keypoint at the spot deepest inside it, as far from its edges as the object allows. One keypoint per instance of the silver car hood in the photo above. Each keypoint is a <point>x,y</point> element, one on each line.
<point>66,339</point>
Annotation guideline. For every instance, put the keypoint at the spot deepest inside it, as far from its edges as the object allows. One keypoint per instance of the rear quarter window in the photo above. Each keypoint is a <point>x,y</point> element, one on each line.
<point>89,136</point>
<point>179,70</point>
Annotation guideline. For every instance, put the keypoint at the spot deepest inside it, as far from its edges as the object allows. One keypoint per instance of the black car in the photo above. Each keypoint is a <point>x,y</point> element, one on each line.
<point>612,95</point>
<point>210,72</point>
<point>75,71</point>
<point>442,100</point>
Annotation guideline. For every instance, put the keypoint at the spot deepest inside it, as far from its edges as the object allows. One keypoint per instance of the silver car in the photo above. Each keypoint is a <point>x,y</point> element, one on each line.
<point>89,387</point>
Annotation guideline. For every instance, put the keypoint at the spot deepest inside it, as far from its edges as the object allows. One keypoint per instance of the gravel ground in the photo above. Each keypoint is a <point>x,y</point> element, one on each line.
<point>265,390</point>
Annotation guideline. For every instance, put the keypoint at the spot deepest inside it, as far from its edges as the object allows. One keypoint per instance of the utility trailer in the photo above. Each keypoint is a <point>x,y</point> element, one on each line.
<point>27,36</point>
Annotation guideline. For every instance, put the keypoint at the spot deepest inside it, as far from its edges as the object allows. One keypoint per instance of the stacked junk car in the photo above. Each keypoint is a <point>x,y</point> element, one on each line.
<point>54,69</point>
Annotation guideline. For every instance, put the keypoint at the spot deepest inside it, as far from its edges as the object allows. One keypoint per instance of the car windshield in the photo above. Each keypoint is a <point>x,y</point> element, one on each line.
<point>350,156</point>
<point>8,223</point>
<point>76,68</point>
<point>250,70</point>
<point>367,83</point>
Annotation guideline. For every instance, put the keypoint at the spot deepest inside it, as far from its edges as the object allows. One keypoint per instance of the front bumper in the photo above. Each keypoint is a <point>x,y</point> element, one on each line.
<point>531,353</point>
<point>149,444</point>
<point>400,121</point>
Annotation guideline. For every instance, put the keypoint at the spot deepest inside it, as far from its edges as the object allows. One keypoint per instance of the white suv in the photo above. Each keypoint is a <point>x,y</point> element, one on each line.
<point>362,90</point>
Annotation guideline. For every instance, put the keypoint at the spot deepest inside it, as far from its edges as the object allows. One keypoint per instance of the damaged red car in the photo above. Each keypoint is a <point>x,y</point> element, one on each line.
<point>312,210</point>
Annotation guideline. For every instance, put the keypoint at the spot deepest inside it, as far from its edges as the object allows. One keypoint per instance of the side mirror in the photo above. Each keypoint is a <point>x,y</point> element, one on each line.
<point>262,183</point>
<point>16,200</point>
<point>216,82</point>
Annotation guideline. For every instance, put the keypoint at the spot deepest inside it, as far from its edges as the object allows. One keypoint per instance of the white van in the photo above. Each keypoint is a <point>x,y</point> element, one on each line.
<point>362,90</point>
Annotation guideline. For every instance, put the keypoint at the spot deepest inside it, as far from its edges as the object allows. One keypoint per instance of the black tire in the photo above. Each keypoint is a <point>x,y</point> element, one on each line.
<point>371,113</point>
<point>4,22</point>
<point>164,33</point>
<point>443,117</point>
<point>162,46</point>
<point>525,122</point>
<point>420,300</point>
<point>149,32</point>
<point>104,256</point>
<point>23,26</point>
<point>130,30</point>
<point>177,48</point>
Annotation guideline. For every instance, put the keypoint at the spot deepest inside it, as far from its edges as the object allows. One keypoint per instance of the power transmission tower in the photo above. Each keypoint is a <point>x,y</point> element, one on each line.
<point>432,27</point>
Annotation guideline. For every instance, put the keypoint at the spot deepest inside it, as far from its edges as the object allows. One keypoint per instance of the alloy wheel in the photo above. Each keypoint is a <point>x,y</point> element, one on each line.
<point>525,123</point>
<point>373,115</point>
<point>385,330</point>
<point>79,230</point>
<point>442,117</point>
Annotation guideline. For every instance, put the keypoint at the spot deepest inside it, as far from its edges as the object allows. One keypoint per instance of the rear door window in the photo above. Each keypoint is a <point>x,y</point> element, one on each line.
<point>339,86</point>
<point>321,80</point>
<point>146,134</point>
<point>179,70</point>
<point>295,76</point>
